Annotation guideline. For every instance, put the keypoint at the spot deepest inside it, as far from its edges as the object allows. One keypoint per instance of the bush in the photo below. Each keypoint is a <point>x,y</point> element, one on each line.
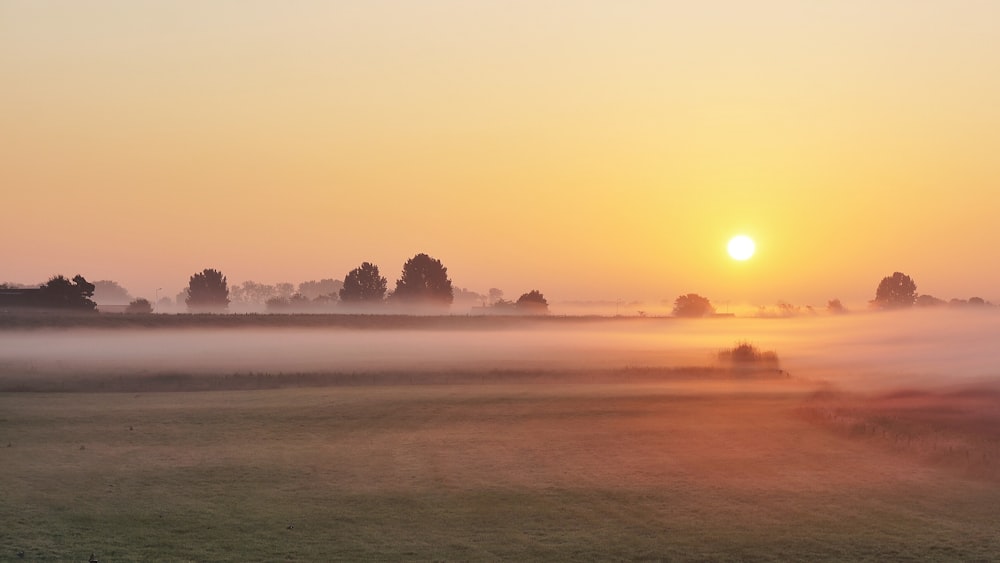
<point>745,353</point>
<point>139,307</point>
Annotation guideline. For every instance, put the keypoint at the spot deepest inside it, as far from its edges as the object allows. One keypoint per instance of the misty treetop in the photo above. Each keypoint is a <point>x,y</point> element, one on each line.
<point>208,292</point>
<point>424,282</point>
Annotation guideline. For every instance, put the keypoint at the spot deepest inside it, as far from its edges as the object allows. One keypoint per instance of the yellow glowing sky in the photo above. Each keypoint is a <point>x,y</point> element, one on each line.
<point>591,150</point>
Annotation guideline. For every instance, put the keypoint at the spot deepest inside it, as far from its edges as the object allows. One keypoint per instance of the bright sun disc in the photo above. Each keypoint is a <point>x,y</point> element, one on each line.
<point>741,247</point>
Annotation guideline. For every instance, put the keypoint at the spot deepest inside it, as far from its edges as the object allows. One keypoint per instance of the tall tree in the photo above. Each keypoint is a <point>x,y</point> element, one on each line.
<point>693,305</point>
<point>424,281</point>
<point>895,292</point>
<point>363,286</point>
<point>208,292</point>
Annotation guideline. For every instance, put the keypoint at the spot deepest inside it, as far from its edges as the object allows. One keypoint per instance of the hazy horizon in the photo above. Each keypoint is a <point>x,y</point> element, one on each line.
<point>594,151</point>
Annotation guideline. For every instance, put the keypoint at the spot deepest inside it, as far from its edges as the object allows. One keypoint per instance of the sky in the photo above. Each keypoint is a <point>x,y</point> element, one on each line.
<point>591,150</point>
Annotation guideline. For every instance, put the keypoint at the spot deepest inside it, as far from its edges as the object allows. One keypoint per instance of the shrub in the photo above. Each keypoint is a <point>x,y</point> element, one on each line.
<point>745,353</point>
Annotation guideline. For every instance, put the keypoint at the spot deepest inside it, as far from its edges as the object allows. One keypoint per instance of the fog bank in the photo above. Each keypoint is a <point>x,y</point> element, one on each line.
<point>860,350</point>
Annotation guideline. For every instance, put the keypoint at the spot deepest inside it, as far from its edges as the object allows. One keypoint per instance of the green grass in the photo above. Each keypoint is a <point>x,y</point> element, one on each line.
<point>672,471</point>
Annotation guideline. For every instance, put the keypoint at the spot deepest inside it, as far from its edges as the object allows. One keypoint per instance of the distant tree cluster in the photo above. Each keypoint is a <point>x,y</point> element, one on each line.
<point>423,286</point>
<point>58,293</point>
<point>530,303</point>
<point>899,291</point>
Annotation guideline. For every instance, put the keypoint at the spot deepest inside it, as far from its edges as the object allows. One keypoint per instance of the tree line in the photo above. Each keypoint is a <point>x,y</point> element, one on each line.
<point>423,286</point>
<point>897,291</point>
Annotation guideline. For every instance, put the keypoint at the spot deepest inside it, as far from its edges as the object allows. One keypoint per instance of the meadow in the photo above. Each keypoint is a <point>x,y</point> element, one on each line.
<point>540,461</point>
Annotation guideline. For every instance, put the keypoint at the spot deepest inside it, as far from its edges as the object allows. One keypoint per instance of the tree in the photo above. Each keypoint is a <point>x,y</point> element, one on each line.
<point>929,301</point>
<point>61,293</point>
<point>503,307</point>
<point>363,286</point>
<point>424,282</point>
<point>314,289</point>
<point>107,292</point>
<point>208,292</point>
<point>139,307</point>
<point>895,292</point>
<point>467,298</point>
<point>496,294</point>
<point>693,305</point>
<point>533,303</point>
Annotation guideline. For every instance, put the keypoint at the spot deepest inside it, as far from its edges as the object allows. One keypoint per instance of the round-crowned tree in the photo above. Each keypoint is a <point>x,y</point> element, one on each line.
<point>207,292</point>
<point>693,305</point>
<point>424,282</point>
<point>895,292</point>
<point>363,286</point>
<point>139,306</point>
<point>532,303</point>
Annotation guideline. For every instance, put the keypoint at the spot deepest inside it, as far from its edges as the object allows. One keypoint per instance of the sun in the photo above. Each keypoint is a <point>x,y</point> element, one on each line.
<point>741,247</point>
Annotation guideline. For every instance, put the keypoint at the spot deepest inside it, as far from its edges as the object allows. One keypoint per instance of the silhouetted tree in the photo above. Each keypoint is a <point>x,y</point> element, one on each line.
<point>424,282</point>
<point>533,303</point>
<point>978,302</point>
<point>363,286</point>
<point>208,292</point>
<point>140,307</point>
<point>61,293</point>
<point>895,291</point>
<point>107,292</point>
<point>693,305</point>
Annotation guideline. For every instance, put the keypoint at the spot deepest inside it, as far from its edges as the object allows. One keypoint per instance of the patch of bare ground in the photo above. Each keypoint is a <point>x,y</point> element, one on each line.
<point>958,429</point>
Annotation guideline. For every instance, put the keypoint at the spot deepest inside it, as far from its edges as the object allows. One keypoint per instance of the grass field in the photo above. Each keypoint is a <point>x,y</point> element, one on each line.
<point>682,470</point>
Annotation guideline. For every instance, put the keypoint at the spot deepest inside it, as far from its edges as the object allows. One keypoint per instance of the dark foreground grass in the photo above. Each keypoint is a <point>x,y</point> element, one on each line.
<point>685,471</point>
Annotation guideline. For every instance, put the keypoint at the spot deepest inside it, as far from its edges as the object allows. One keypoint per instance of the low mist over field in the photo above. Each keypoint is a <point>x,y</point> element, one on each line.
<point>862,350</point>
<point>522,439</point>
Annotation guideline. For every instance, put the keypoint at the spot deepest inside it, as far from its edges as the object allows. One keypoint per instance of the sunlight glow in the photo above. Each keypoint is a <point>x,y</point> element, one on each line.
<point>741,247</point>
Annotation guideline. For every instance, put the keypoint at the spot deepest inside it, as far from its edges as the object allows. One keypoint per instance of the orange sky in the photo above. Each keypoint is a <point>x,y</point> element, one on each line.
<point>591,150</point>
